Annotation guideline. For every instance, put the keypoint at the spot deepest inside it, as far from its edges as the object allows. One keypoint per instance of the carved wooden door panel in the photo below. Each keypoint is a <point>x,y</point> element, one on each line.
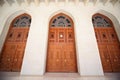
<point>102,39</point>
<point>114,50</point>
<point>61,51</point>
<point>7,57</point>
<point>13,50</point>
<point>108,44</point>
<point>20,47</point>
<point>105,58</point>
<point>109,48</point>
<point>61,54</point>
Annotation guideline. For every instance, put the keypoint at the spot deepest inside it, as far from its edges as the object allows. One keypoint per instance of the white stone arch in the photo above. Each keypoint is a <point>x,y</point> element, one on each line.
<point>73,20</point>
<point>7,23</point>
<point>114,20</point>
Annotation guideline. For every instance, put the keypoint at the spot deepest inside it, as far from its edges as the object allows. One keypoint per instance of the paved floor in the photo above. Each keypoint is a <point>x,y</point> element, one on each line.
<point>58,76</point>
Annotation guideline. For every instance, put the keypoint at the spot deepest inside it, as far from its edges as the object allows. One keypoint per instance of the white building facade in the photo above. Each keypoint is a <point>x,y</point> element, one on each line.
<point>41,12</point>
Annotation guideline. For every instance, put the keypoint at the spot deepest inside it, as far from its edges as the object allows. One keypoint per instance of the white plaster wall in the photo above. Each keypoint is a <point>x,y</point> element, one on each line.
<point>88,58</point>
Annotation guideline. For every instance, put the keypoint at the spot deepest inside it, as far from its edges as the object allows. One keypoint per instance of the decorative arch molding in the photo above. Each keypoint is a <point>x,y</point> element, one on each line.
<point>62,20</point>
<point>8,20</point>
<point>63,12</point>
<point>114,20</point>
<point>100,20</point>
<point>11,16</point>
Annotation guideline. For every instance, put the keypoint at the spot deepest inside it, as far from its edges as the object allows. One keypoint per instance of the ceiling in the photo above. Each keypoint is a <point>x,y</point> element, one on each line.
<point>37,2</point>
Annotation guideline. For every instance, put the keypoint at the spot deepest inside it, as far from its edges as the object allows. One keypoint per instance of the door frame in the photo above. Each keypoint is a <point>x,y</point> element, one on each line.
<point>74,38</point>
<point>8,27</point>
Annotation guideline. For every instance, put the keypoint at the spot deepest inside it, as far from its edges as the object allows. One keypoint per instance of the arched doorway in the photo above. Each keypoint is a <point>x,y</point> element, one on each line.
<point>61,53</point>
<point>108,43</point>
<point>13,49</point>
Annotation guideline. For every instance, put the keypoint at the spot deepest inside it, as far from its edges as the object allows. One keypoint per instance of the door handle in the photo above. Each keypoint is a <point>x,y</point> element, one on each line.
<point>57,60</point>
<point>107,60</point>
<point>15,60</point>
<point>65,60</point>
<point>8,59</point>
<point>115,60</point>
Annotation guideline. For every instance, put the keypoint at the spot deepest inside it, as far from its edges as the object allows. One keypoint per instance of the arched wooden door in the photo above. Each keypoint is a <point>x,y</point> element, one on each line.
<point>108,43</point>
<point>61,53</point>
<point>13,50</point>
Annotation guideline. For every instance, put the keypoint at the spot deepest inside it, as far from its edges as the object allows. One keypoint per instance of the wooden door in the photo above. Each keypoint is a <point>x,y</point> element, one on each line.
<point>14,46</point>
<point>108,43</point>
<point>61,53</point>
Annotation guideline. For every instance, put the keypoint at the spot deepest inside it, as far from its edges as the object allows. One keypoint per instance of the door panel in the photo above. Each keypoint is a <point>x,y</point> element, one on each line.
<point>114,55</point>
<point>61,53</point>
<point>17,60</point>
<point>13,50</point>
<point>7,57</point>
<point>105,58</point>
<point>109,49</point>
<point>61,50</point>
